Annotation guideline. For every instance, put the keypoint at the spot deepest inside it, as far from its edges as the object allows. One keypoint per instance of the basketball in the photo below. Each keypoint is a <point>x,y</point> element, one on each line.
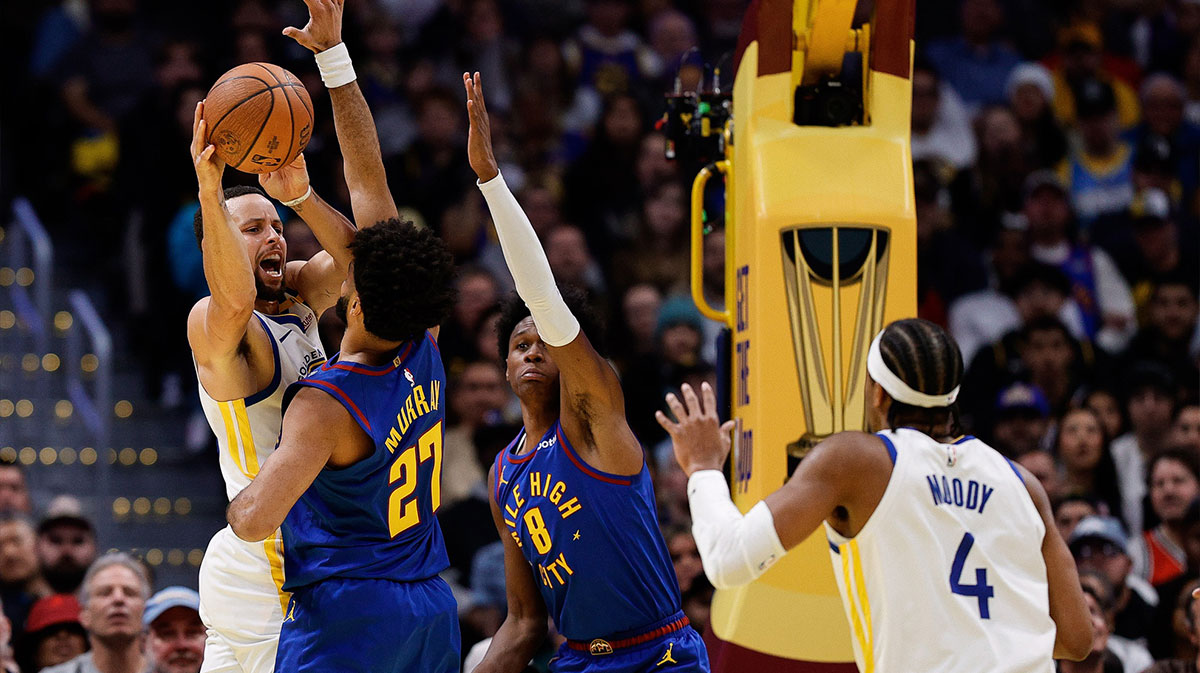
<point>259,117</point>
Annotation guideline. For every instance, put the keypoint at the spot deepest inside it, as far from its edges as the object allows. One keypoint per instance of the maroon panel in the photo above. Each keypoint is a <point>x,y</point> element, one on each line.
<point>891,34</point>
<point>726,657</point>
<point>748,34</point>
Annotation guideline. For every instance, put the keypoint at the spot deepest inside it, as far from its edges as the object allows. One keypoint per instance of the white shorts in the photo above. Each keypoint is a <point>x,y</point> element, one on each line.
<point>241,603</point>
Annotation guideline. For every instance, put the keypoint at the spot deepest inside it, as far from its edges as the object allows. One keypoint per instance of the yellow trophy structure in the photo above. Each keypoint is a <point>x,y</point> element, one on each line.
<point>820,255</point>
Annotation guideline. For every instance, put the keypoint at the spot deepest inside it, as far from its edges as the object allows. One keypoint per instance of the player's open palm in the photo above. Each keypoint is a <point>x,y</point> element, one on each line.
<point>288,183</point>
<point>479,136</point>
<point>209,167</point>
<point>699,439</point>
<point>324,27</point>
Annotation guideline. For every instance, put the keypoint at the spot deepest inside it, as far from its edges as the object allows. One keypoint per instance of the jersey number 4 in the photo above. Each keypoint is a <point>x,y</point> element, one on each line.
<point>403,512</point>
<point>980,589</point>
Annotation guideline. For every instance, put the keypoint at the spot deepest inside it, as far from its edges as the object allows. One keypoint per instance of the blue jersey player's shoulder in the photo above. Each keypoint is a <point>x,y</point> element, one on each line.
<point>414,378</point>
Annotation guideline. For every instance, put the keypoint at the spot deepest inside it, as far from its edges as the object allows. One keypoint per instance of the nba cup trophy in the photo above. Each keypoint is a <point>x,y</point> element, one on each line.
<point>820,255</point>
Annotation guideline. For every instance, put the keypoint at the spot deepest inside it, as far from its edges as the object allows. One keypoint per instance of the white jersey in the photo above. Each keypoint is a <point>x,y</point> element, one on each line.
<point>242,602</point>
<point>247,429</point>
<point>947,574</point>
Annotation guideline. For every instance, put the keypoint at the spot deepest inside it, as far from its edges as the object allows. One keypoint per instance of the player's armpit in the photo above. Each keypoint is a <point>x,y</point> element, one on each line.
<point>308,440</point>
<point>1068,609</point>
<point>524,627</point>
<point>848,470</point>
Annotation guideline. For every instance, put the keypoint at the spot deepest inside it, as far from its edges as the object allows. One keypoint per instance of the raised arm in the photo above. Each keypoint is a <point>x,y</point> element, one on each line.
<point>370,198</point>
<point>524,626</point>
<point>318,280</point>
<point>218,323</point>
<point>312,426</point>
<point>849,470</point>
<point>593,405</point>
<point>1073,639</point>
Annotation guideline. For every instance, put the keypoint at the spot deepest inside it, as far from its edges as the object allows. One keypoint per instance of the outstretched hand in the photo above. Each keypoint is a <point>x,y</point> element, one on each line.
<point>324,27</point>
<point>208,165</point>
<point>699,439</point>
<point>287,183</point>
<point>479,136</point>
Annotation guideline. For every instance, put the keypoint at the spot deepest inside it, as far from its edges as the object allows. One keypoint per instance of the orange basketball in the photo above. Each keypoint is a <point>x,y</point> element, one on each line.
<point>259,117</point>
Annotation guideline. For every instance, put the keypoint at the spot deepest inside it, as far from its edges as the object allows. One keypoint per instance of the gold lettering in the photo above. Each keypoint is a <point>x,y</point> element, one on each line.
<point>422,405</point>
<point>393,440</point>
<point>562,561</point>
<point>552,568</point>
<point>545,576</point>
<point>517,496</point>
<point>511,524</point>
<point>535,484</point>
<point>516,537</point>
<point>402,421</point>
<point>511,512</point>
<point>569,507</point>
<point>557,492</point>
<point>408,409</point>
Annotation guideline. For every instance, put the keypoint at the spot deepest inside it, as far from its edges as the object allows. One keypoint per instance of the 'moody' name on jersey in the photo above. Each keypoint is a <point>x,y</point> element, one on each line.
<point>974,495</point>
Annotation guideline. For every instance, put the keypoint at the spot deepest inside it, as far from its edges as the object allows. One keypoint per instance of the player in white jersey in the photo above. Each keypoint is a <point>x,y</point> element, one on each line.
<point>945,552</point>
<point>254,336</point>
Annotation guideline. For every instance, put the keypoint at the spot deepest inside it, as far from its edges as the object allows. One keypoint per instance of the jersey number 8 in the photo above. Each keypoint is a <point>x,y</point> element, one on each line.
<point>402,506</point>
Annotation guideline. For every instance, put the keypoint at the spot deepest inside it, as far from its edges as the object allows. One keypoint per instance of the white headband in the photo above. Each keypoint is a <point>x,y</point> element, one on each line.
<point>899,390</point>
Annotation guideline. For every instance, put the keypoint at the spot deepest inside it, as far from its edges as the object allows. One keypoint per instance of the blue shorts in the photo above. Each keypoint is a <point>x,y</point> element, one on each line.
<point>376,626</point>
<point>675,652</point>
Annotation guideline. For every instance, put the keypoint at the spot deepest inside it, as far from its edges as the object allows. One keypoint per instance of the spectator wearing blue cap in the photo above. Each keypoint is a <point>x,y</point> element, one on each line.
<point>1022,419</point>
<point>175,634</point>
<point>1098,544</point>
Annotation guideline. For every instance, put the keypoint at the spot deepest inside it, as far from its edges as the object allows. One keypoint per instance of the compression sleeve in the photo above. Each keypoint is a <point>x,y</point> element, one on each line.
<point>527,262</point>
<point>734,549</point>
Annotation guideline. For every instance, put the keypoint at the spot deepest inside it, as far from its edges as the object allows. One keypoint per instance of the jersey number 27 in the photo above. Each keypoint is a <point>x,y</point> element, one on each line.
<point>403,512</point>
<point>980,589</point>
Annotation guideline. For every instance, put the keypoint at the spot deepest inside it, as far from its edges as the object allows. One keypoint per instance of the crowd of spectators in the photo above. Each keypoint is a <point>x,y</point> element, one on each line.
<point>67,610</point>
<point>1057,166</point>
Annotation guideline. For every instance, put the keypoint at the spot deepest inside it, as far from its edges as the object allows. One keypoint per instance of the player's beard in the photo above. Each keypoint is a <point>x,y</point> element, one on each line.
<point>266,293</point>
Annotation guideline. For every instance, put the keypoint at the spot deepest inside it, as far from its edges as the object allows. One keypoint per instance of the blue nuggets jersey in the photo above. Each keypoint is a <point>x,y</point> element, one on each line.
<point>592,539</point>
<point>374,519</point>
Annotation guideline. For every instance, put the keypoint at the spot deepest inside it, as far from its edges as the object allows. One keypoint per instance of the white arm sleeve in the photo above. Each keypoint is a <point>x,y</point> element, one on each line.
<point>734,549</point>
<point>526,260</point>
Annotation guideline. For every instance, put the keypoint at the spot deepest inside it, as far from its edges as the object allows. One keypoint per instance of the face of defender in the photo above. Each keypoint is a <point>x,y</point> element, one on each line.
<point>256,218</point>
<point>529,366</point>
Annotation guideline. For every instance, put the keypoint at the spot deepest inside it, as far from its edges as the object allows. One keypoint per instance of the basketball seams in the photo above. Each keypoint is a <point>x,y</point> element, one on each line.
<point>291,112</point>
<point>285,81</point>
<point>213,131</point>
<point>265,121</point>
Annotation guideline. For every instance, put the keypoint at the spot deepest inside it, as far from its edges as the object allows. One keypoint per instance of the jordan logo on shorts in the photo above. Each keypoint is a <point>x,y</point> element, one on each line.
<point>667,658</point>
<point>291,616</point>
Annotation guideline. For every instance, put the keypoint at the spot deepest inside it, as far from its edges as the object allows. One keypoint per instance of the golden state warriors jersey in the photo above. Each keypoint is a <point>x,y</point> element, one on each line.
<point>947,574</point>
<point>247,429</point>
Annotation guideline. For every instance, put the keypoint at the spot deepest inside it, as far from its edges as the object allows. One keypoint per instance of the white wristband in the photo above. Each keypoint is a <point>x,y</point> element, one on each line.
<point>335,66</point>
<point>295,202</point>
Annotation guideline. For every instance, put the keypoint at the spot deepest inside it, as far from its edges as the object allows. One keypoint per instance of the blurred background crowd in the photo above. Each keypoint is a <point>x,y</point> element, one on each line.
<point>1057,167</point>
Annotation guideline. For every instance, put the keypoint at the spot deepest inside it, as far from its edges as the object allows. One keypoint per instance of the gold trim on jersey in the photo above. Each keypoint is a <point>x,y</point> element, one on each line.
<point>860,610</point>
<point>238,437</point>
<point>274,548</point>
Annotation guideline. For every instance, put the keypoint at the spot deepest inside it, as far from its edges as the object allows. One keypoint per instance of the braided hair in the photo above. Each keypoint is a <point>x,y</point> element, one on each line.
<point>927,359</point>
